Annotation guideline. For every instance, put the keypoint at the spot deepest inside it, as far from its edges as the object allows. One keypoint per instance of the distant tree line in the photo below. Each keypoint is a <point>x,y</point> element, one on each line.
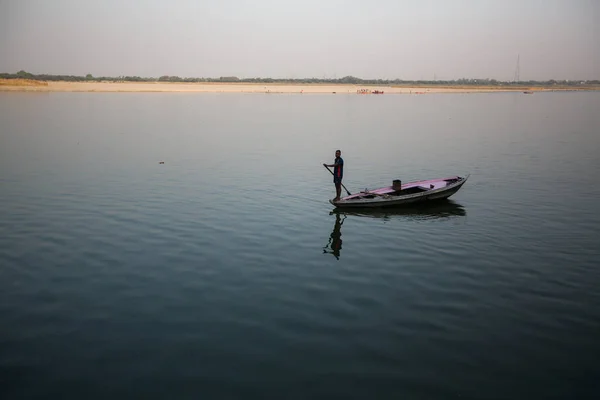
<point>345,80</point>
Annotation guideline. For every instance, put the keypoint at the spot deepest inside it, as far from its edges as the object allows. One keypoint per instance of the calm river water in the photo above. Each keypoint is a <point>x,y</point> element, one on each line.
<point>224,272</point>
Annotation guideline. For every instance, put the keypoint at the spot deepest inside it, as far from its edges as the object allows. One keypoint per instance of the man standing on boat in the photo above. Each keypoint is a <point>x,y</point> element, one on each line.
<point>338,173</point>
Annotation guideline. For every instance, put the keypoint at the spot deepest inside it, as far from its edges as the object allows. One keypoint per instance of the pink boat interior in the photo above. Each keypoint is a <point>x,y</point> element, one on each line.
<point>406,188</point>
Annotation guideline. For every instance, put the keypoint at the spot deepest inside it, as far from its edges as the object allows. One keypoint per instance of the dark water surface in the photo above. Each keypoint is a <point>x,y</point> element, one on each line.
<point>223,273</point>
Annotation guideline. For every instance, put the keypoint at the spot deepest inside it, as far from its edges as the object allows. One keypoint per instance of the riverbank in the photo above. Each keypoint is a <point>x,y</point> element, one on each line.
<point>210,87</point>
<point>22,82</point>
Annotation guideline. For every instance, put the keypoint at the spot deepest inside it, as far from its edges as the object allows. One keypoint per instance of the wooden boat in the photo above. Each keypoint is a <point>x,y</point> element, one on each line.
<point>403,194</point>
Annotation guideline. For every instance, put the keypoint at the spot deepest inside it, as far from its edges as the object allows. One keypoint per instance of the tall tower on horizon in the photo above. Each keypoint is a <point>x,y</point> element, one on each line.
<point>517,76</point>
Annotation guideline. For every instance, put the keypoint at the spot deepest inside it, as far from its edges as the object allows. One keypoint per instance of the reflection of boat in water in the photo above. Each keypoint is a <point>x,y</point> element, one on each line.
<point>420,211</point>
<point>443,209</point>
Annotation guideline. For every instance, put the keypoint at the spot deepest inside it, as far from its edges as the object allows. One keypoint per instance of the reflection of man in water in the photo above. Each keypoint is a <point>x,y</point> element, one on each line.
<point>335,239</point>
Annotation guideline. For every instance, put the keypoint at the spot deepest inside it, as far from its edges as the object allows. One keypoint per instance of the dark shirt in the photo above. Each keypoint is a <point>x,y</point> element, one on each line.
<point>338,169</point>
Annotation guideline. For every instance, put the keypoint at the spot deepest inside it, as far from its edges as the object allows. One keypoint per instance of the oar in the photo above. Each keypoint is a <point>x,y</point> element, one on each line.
<point>349,194</point>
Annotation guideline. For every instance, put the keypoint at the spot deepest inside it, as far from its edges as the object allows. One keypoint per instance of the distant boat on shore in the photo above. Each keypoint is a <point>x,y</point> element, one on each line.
<point>369,91</point>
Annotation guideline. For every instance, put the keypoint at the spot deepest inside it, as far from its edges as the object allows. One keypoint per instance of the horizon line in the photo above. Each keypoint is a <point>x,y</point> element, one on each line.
<point>233,78</point>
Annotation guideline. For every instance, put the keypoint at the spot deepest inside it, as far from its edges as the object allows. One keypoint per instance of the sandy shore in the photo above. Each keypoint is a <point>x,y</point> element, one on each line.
<point>250,88</point>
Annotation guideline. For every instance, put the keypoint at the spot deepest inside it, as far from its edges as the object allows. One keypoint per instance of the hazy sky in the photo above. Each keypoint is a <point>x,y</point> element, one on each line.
<point>406,39</point>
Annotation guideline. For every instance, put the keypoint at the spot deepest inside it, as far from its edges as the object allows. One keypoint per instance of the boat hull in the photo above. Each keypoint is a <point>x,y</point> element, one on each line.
<point>386,197</point>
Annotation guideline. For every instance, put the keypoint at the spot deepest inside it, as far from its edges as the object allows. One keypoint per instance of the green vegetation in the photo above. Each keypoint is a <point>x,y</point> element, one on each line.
<point>345,80</point>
